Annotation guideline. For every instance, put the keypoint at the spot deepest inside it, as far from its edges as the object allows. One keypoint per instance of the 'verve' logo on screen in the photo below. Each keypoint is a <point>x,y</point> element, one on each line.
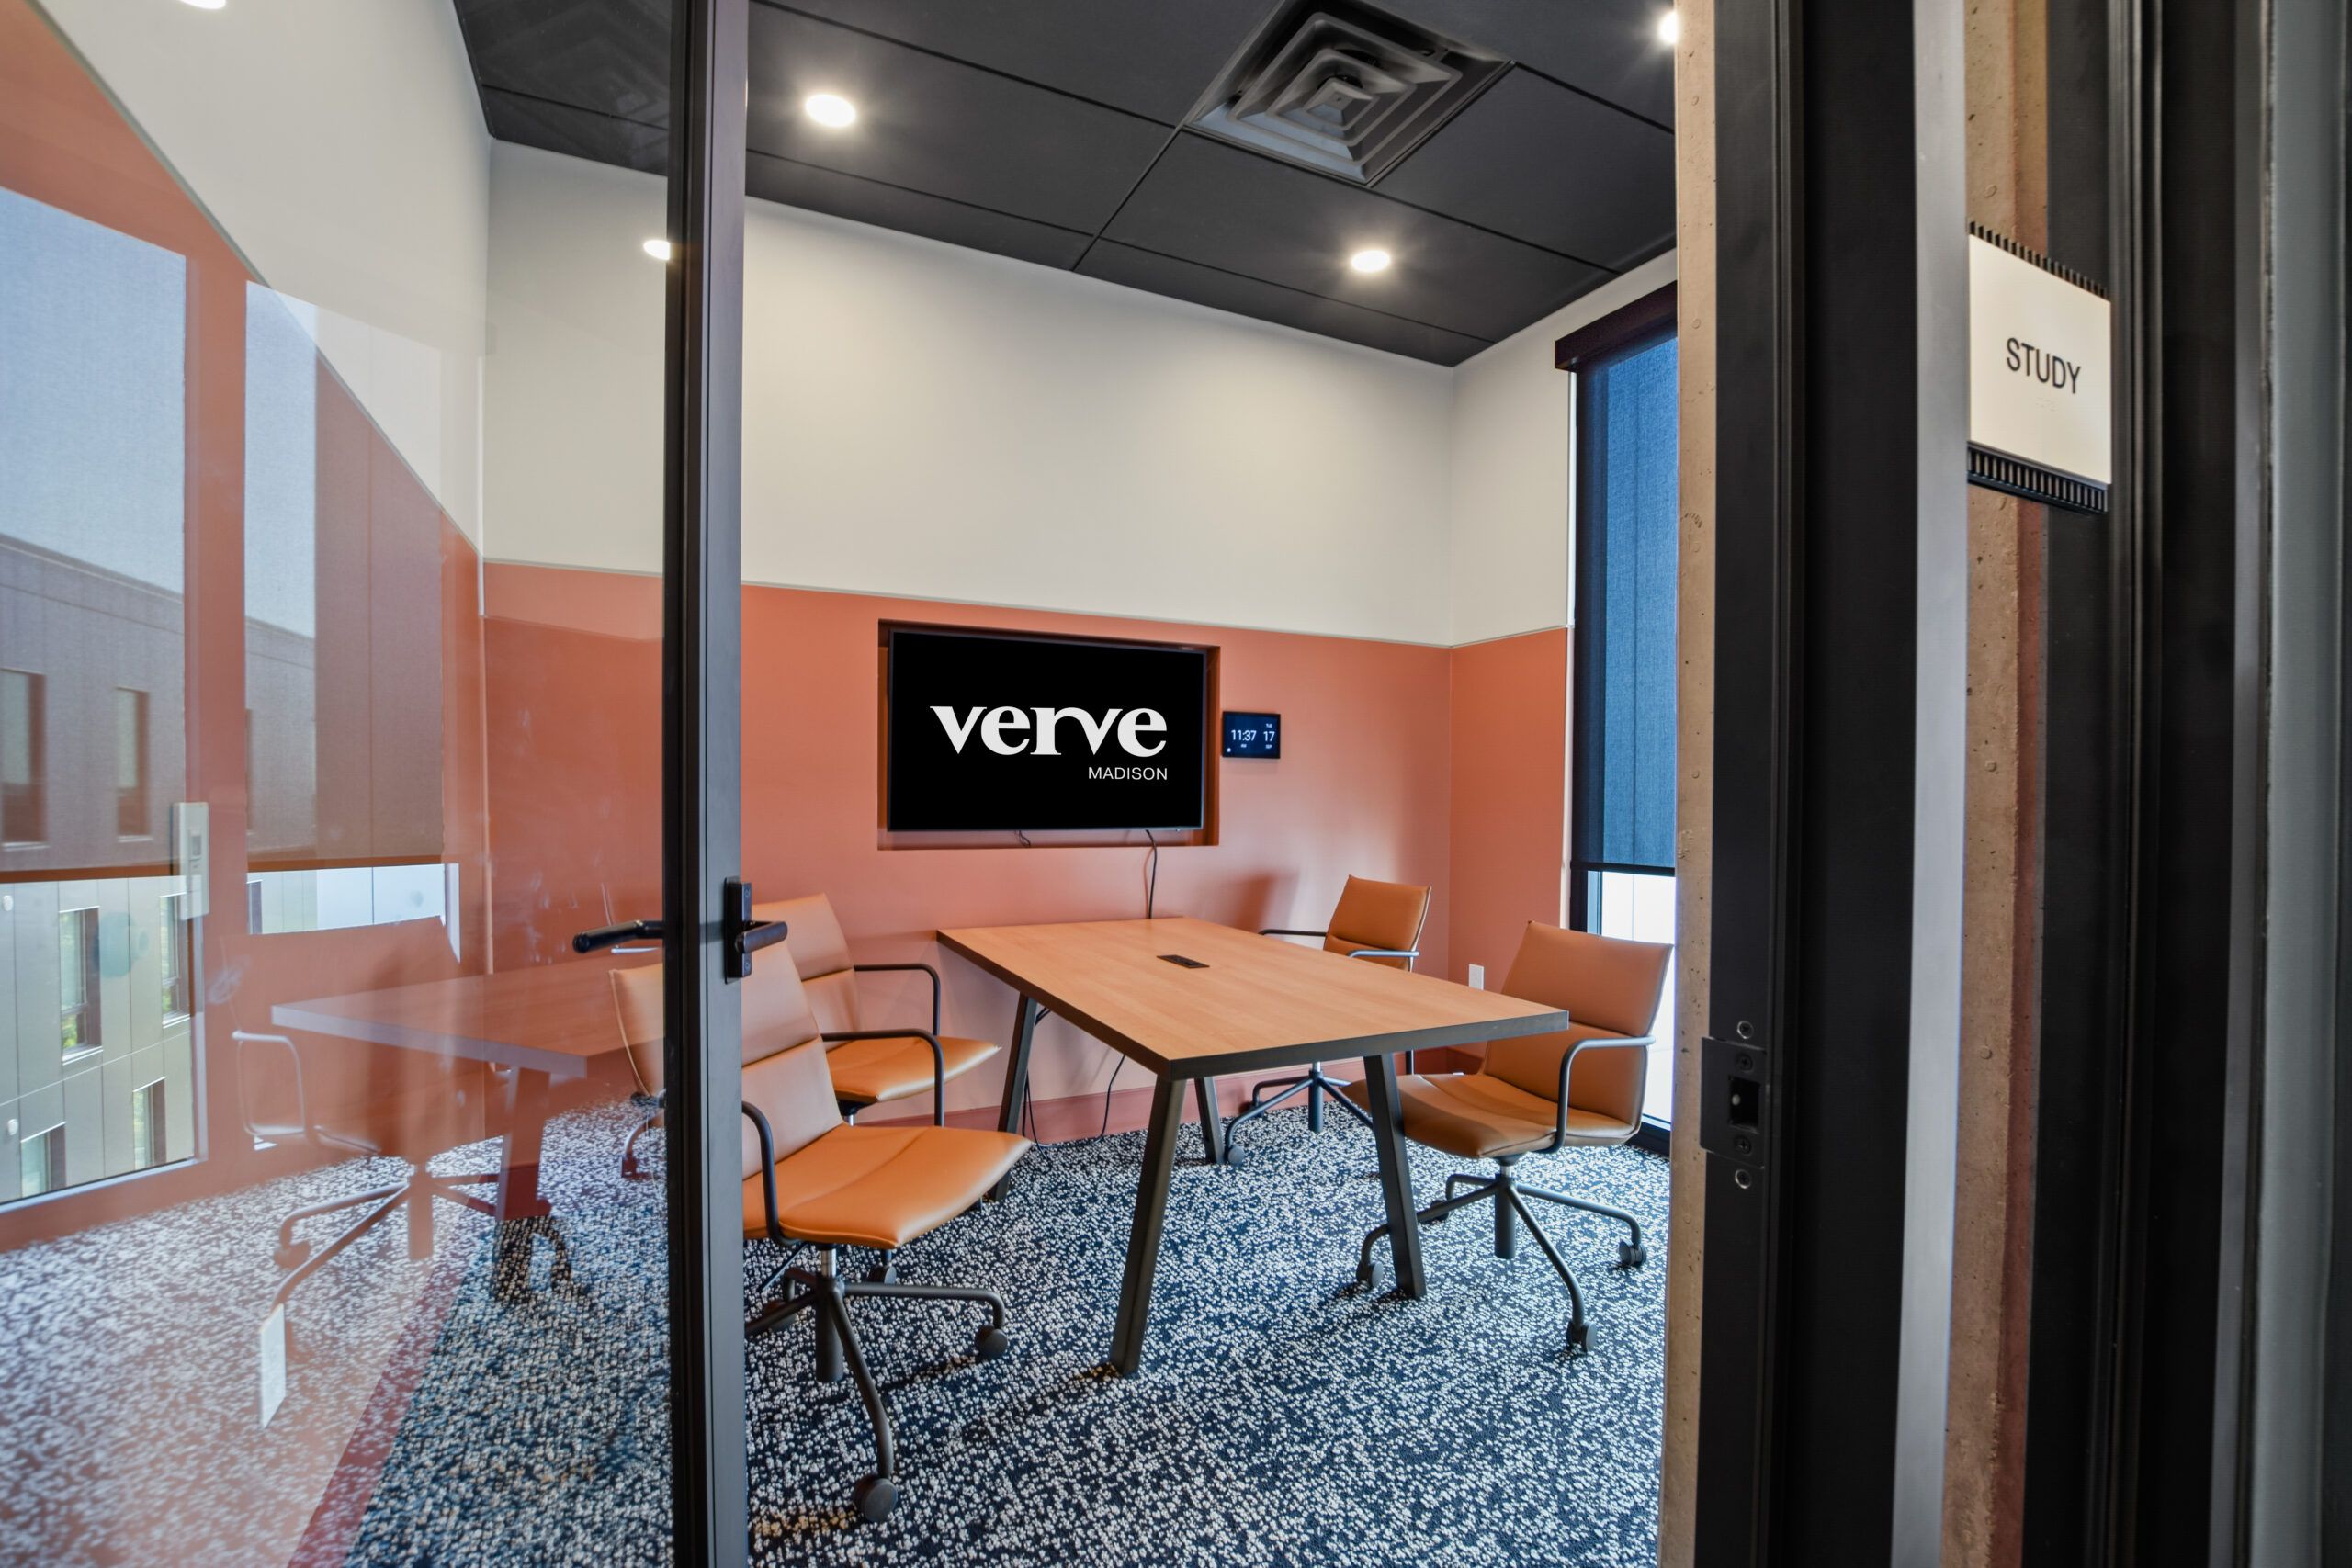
<point>1038,732</point>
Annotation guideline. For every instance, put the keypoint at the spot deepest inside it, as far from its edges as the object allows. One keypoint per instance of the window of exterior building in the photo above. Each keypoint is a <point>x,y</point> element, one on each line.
<point>147,1125</point>
<point>131,820</point>
<point>171,941</point>
<point>23,816</point>
<point>40,1162</point>
<point>80,1026</point>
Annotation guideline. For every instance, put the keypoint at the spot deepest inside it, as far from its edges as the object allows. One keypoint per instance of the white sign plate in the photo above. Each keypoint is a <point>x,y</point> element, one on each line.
<point>2039,348</point>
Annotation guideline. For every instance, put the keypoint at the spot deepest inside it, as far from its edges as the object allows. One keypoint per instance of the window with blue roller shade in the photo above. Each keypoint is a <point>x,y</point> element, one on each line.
<point>1626,521</point>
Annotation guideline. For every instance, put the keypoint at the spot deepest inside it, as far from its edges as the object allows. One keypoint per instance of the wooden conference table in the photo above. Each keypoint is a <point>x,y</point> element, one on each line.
<point>1254,1002</point>
<point>544,1021</point>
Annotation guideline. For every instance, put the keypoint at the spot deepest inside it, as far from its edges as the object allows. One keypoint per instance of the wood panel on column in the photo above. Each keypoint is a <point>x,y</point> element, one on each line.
<point>1694,181</point>
<point>2007,89</point>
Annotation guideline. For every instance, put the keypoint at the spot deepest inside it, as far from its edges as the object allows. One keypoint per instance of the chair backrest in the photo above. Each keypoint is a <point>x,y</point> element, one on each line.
<point>783,1064</point>
<point>1381,915</point>
<point>821,953</point>
<point>1608,988</point>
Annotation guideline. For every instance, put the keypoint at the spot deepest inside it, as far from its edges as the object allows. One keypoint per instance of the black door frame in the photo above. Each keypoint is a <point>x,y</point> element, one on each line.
<point>2150,1041</point>
<point>702,776</point>
<point>1828,1093</point>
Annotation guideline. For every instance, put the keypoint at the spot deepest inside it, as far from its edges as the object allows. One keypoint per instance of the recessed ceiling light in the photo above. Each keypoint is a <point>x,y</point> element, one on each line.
<point>206,5</point>
<point>658,249</point>
<point>832,109</point>
<point>1373,260</point>
<point>1670,27</point>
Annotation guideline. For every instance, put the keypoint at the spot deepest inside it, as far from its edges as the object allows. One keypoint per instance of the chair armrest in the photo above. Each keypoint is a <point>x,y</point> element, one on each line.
<point>767,1165</point>
<point>1641,1042</point>
<point>907,968</point>
<point>1285,930</point>
<point>938,1060</point>
<point>1386,953</point>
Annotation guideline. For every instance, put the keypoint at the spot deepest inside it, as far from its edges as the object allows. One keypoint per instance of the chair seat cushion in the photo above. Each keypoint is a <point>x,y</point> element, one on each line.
<point>1480,1117</point>
<point>880,1187</point>
<point>867,1072</point>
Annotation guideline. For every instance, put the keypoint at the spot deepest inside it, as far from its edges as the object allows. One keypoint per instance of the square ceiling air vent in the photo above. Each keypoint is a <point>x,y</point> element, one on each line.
<point>1344,88</point>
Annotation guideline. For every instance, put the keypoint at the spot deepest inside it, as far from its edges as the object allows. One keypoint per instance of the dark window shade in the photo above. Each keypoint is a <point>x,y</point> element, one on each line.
<point>1628,516</point>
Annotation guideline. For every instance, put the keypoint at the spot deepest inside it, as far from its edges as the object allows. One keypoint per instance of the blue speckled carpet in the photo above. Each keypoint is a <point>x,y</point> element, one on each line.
<point>1282,1417</point>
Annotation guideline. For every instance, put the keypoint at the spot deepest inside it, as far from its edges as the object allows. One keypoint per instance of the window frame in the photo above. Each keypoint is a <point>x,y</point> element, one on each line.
<point>1633,329</point>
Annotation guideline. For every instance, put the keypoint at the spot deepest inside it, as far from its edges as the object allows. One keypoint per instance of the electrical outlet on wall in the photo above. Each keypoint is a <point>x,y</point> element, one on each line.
<point>1477,976</point>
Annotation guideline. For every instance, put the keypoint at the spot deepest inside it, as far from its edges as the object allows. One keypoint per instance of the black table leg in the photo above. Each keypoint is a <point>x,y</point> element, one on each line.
<point>1396,1173</point>
<point>1151,1216</point>
<point>1211,1124</point>
<point>1016,1078</point>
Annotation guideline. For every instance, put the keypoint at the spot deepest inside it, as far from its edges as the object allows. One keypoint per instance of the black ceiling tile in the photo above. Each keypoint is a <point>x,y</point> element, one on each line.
<point>934,125</point>
<point>578,132</point>
<point>1552,167</point>
<point>1207,202</point>
<point>612,55</point>
<point>909,212</point>
<point>1607,47</point>
<point>1149,57</point>
<point>1269,302</point>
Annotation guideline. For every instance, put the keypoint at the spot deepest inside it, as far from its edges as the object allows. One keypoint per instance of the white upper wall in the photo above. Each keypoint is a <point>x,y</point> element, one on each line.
<point>924,420</point>
<point>1511,443</point>
<point>933,421</point>
<point>340,146</point>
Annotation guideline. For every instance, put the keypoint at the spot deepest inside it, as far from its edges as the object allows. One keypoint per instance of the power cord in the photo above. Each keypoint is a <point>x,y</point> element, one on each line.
<point>1151,884</point>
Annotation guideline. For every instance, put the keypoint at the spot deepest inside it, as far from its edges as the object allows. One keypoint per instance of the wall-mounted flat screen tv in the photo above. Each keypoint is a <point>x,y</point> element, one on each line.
<point>993,732</point>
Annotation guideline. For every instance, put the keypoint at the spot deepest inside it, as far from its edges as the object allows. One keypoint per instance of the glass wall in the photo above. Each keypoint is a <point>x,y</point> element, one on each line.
<point>311,1199</point>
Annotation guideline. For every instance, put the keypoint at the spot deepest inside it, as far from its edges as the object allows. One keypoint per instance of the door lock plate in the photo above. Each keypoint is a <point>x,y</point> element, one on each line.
<point>1735,1100</point>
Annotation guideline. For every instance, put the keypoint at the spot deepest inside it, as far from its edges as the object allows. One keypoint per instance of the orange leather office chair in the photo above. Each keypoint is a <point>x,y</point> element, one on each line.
<point>869,1065</point>
<point>1579,1089</point>
<point>276,1107</point>
<point>811,1178</point>
<point>1379,922</point>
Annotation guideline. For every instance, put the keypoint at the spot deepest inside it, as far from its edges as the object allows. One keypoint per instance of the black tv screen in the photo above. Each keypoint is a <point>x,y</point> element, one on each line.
<point>992,732</point>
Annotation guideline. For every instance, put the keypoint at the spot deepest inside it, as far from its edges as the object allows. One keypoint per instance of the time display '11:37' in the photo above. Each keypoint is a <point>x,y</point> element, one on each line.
<point>1253,734</point>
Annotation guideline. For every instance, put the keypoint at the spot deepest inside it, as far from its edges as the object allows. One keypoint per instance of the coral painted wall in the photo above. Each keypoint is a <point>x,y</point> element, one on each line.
<point>573,684</point>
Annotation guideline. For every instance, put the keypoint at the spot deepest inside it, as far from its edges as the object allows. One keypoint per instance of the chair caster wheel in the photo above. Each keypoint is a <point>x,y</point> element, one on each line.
<point>991,1342</point>
<point>630,1169</point>
<point>1632,1255</point>
<point>875,1497</point>
<point>1579,1340</point>
<point>289,1257</point>
<point>1367,1276</point>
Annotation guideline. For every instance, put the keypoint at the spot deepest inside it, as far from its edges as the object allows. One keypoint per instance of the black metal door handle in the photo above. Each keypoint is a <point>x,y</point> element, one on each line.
<point>612,936</point>
<point>742,934</point>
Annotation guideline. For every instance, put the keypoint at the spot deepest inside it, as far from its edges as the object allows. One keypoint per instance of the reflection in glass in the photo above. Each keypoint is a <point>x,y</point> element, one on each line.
<point>311,1178</point>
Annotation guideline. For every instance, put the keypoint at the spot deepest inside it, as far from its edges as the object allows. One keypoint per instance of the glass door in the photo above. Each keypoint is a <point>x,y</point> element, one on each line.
<point>339,1212</point>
